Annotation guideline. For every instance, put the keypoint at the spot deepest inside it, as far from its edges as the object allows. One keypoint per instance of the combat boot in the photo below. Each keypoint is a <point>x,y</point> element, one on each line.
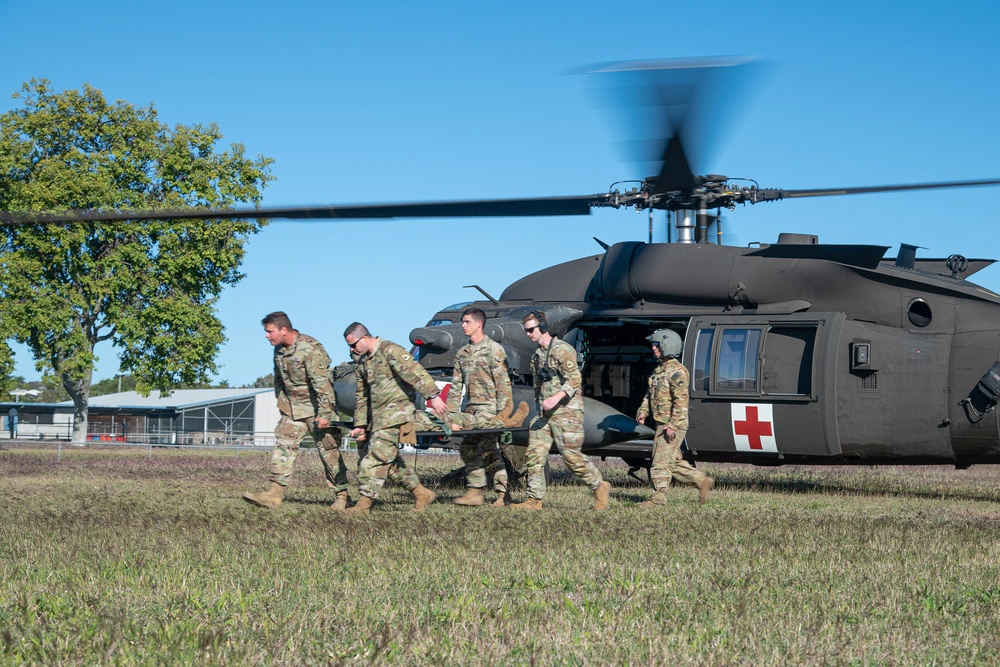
<point>517,418</point>
<point>340,504</point>
<point>602,496</point>
<point>270,498</point>
<point>363,505</point>
<point>501,500</point>
<point>658,498</point>
<point>424,497</point>
<point>529,504</point>
<point>472,498</point>
<point>704,486</point>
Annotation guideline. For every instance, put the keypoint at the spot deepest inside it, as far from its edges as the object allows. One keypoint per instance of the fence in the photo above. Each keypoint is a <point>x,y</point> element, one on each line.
<point>64,432</point>
<point>151,441</point>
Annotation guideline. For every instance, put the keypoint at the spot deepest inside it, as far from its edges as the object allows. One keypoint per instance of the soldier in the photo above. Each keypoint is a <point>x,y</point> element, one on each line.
<point>560,415</point>
<point>481,369</point>
<point>388,378</point>
<point>306,403</point>
<point>667,400</point>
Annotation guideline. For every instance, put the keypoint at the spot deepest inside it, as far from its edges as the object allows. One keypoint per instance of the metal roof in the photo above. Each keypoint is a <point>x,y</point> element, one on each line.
<point>179,399</point>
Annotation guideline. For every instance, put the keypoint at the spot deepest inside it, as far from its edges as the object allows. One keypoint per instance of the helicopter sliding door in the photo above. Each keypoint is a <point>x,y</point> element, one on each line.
<point>758,385</point>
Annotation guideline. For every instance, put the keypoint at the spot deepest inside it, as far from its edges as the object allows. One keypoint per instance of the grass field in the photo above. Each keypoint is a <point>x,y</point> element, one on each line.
<point>110,557</point>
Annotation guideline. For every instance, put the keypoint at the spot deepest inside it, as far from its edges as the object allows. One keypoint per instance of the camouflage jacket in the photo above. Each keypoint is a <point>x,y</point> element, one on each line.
<point>302,379</point>
<point>667,397</point>
<point>388,379</point>
<point>481,369</point>
<point>560,358</point>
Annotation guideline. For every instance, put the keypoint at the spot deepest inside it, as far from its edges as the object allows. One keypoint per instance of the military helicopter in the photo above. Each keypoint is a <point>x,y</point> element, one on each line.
<point>799,352</point>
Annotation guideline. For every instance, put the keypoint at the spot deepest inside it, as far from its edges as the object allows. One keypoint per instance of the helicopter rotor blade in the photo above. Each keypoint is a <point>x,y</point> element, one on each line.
<point>543,206</point>
<point>768,194</point>
<point>673,111</point>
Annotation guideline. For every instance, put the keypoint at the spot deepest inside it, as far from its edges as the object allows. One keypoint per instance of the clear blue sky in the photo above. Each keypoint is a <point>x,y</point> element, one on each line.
<point>413,101</point>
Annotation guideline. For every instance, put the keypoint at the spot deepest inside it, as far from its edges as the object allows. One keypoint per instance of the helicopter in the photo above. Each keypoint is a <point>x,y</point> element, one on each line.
<point>798,351</point>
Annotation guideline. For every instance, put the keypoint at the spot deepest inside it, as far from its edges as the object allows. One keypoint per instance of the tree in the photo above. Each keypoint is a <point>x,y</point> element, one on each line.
<point>7,382</point>
<point>113,385</point>
<point>148,287</point>
<point>263,381</point>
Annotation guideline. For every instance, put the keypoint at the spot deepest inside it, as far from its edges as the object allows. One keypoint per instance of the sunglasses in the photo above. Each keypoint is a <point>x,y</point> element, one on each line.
<point>530,329</point>
<point>354,345</point>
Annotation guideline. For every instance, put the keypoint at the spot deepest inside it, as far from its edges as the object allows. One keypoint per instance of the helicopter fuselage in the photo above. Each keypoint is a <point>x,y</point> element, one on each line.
<point>798,352</point>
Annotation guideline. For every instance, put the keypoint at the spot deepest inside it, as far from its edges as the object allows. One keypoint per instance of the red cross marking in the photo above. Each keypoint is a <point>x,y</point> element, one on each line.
<point>753,428</point>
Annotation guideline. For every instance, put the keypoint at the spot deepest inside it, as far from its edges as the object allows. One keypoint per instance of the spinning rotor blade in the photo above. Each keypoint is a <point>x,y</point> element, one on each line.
<point>674,112</point>
<point>767,194</point>
<point>543,206</point>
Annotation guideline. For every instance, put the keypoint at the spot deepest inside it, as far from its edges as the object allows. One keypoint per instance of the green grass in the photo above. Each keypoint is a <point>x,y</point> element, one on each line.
<point>110,557</point>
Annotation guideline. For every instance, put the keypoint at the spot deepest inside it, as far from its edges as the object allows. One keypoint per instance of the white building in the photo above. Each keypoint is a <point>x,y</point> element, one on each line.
<point>187,416</point>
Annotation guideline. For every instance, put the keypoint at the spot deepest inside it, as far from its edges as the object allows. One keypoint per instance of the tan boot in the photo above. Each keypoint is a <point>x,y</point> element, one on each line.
<point>658,498</point>
<point>472,498</point>
<point>270,498</point>
<point>424,497</point>
<point>340,504</point>
<point>517,418</point>
<point>529,504</point>
<point>704,486</point>
<point>364,504</point>
<point>602,496</point>
<point>501,500</point>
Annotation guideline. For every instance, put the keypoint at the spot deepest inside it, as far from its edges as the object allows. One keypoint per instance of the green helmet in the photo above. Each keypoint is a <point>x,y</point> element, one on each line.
<point>668,340</point>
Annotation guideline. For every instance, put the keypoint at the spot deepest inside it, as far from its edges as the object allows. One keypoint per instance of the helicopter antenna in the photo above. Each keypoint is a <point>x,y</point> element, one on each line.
<point>483,292</point>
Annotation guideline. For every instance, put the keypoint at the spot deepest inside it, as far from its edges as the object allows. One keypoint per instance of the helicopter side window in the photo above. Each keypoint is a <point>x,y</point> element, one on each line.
<point>788,360</point>
<point>703,360</point>
<point>738,354</point>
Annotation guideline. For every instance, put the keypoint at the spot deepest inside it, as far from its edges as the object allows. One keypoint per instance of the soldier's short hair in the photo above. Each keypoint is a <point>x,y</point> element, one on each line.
<point>357,329</point>
<point>278,319</point>
<point>475,313</point>
<point>538,316</point>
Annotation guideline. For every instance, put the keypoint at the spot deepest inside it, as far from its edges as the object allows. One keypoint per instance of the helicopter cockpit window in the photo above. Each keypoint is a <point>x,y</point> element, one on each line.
<point>703,360</point>
<point>438,323</point>
<point>738,354</point>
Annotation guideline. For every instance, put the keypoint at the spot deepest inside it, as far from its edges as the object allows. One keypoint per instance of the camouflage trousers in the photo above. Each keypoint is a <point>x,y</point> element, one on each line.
<point>289,434</point>
<point>478,452</point>
<point>564,429</point>
<point>383,460</point>
<point>668,462</point>
<point>474,450</point>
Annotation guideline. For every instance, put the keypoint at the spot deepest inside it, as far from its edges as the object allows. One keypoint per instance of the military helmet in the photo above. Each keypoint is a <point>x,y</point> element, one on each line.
<point>668,340</point>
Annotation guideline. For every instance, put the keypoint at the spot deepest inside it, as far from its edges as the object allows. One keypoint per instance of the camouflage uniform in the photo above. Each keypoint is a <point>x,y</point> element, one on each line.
<point>388,378</point>
<point>304,392</point>
<point>564,425</point>
<point>481,370</point>
<point>667,401</point>
<point>466,421</point>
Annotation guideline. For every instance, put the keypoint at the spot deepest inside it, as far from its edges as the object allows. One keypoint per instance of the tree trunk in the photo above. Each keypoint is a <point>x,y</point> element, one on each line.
<point>79,391</point>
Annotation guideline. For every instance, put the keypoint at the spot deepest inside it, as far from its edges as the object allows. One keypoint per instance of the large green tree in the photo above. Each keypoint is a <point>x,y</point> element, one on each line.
<point>148,287</point>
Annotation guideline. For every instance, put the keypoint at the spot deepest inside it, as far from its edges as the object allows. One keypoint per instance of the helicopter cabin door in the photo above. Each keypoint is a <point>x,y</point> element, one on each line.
<point>758,385</point>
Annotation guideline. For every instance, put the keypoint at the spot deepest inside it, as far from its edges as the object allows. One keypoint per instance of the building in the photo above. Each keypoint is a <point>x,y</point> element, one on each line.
<point>187,416</point>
